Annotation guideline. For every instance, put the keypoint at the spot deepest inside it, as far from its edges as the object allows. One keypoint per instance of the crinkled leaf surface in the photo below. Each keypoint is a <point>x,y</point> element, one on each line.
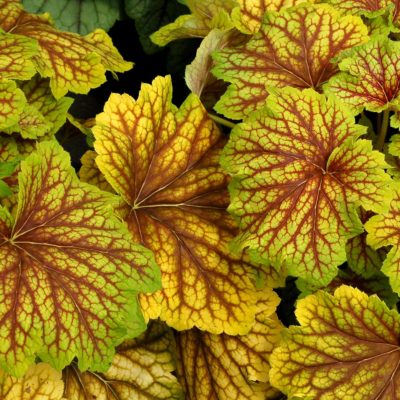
<point>72,62</point>
<point>141,369</point>
<point>69,274</point>
<point>347,347</point>
<point>163,162</point>
<point>299,175</point>
<point>371,76</point>
<point>15,56</point>
<point>248,16</point>
<point>223,367</point>
<point>384,230</point>
<point>293,48</point>
<point>40,382</point>
<point>205,15</point>
<point>81,16</point>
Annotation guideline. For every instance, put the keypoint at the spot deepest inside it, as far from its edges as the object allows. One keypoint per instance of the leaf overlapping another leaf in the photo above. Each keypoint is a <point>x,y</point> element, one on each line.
<point>299,174</point>
<point>347,347</point>
<point>163,162</point>
<point>293,48</point>
<point>227,367</point>
<point>73,63</point>
<point>69,273</point>
<point>141,369</point>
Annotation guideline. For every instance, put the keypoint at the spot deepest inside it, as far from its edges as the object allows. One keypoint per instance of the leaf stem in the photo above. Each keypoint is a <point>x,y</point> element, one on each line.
<point>222,121</point>
<point>380,141</point>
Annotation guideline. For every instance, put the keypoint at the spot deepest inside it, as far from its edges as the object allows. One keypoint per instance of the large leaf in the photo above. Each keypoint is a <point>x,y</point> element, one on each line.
<point>347,347</point>
<point>384,230</point>
<point>163,162</point>
<point>299,175</point>
<point>249,14</point>
<point>72,62</point>
<point>81,16</point>
<point>141,369</point>
<point>362,86</point>
<point>293,48</point>
<point>40,382</point>
<point>70,274</point>
<point>223,367</point>
<point>205,16</point>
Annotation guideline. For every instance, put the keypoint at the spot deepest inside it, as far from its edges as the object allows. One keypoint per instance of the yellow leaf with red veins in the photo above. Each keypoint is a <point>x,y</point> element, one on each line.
<point>141,369</point>
<point>40,382</point>
<point>72,62</point>
<point>205,16</point>
<point>248,16</point>
<point>12,102</point>
<point>223,367</point>
<point>164,163</point>
<point>346,347</point>
<point>294,47</point>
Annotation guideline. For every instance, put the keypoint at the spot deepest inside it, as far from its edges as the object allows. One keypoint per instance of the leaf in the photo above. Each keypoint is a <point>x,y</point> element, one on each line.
<point>361,86</point>
<point>248,16</point>
<point>293,48</point>
<point>205,16</point>
<point>16,53</point>
<point>299,174</point>
<point>163,162</point>
<point>347,347</point>
<point>361,258</point>
<point>384,230</point>
<point>141,369</point>
<point>150,15</point>
<point>80,16</point>
<point>369,8</point>
<point>72,62</point>
<point>70,273</point>
<point>40,382</point>
<point>198,76</point>
<point>12,102</point>
<point>223,367</point>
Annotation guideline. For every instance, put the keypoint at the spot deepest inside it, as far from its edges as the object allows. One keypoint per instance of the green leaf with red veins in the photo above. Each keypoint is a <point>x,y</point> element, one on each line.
<point>371,76</point>
<point>299,175</point>
<point>293,48</point>
<point>69,273</point>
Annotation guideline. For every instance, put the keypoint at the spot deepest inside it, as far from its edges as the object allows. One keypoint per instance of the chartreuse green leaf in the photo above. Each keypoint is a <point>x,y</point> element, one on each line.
<point>205,15</point>
<point>69,272</point>
<point>227,367</point>
<point>346,347</point>
<point>249,14</point>
<point>163,162</point>
<point>375,89</point>
<point>384,230</point>
<point>293,48</point>
<point>299,174</point>
<point>72,62</point>
<point>77,15</point>
<point>141,369</point>
<point>12,102</point>
<point>40,382</point>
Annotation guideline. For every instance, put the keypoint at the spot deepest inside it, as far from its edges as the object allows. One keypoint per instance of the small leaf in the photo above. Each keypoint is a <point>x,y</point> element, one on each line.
<point>40,382</point>
<point>69,274</point>
<point>227,367</point>
<point>205,16</point>
<point>12,102</point>
<point>361,86</point>
<point>299,174</point>
<point>163,162</point>
<point>384,230</point>
<point>293,48</point>
<point>347,347</point>
<point>72,62</point>
<point>141,369</point>
<point>248,16</point>
<point>80,16</point>
<point>369,8</point>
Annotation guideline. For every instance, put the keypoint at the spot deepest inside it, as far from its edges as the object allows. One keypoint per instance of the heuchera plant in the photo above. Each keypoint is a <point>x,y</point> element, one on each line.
<point>172,264</point>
